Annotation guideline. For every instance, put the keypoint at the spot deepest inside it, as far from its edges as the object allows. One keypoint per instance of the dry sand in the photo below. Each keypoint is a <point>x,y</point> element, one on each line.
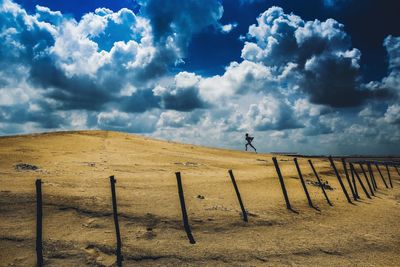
<point>78,223</point>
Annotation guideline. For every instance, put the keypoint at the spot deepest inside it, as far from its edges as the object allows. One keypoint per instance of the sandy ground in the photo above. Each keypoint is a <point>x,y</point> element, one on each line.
<point>78,222</point>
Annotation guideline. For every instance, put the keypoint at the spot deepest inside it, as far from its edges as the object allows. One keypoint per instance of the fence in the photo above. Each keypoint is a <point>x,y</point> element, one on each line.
<point>348,165</point>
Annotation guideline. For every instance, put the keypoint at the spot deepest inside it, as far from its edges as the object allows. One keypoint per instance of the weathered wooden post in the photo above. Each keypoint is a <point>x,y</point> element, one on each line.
<point>39,219</point>
<point>348,179</point>
<point>380,174</point>
<point>353,170</point>
<point>366,178</point>
<point>388,172</point>
<point>116,223</point>
<point>282,183</point>
<point>183,208</point>
<point>244,213</point>
<point>303,183</point>
<point>354,182</point>
<point>320,183</point>
<point>371,175</point>
<point>340,180</point>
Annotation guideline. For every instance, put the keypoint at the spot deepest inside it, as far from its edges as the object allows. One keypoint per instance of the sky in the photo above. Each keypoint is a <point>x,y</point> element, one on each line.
<point>312,77</point>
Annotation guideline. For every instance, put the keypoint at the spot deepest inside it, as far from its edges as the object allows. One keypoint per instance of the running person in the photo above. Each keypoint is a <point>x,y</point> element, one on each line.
<point>249,139</point>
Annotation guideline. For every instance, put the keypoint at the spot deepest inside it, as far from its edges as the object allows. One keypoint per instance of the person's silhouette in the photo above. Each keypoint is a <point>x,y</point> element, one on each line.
<point>249,139</point>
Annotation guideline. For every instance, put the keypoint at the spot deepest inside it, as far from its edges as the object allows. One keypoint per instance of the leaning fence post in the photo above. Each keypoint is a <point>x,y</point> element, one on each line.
<point>366,178</point>
<point>354,182</point>
<point>388,172</point>
<point>282,183</point>
<point>39,218</point>
<point>348,179</point>
<point>183,208</point>
<point>238,196</point>
<point>371,175</point>
<point>380,174</point>
<point>303,183</point>
<point>353,171</point>
<point>320,183</point>
<point>340,179</point>
<point>115,212</point>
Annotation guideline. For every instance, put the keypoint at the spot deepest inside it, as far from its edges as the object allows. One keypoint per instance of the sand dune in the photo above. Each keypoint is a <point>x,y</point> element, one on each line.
<point>78,223</point>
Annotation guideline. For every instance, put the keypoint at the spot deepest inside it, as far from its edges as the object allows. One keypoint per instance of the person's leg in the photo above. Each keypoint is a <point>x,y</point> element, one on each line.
<point>253,147</point>
<point>246,146</point>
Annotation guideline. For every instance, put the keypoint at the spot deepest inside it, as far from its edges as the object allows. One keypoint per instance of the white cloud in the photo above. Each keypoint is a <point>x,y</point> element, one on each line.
<point>392,114</point>
<point>227,28</point>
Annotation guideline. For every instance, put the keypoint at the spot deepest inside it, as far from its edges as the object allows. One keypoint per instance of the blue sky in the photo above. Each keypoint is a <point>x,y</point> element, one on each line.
<point>317,76</point>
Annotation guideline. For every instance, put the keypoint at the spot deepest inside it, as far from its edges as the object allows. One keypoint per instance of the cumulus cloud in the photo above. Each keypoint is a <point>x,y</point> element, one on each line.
<point>183,95</point>
<point>392,81</point>
<point>327,66</point>
<point>102,61</point>
<point>392,114</point>
<point>272,114</point>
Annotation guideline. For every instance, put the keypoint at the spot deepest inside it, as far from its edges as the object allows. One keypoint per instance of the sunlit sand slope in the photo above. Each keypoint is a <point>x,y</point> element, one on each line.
<point>78,225</point>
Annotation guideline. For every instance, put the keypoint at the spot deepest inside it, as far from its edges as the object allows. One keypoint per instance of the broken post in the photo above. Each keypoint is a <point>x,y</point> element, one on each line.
<point>340,180</point>
<point>388,172</point>
<point>348,179</point>
<point>320,183</point>
<point>39,218</point>
<point>380,174</point>
<point>371,175</point>
<point>366,178</point>
<point>353,171</point>
<point>303,183</point>
<point>115,212</point>
<point>238,196</point>
<point>183,208</point>
<point>282,183</point>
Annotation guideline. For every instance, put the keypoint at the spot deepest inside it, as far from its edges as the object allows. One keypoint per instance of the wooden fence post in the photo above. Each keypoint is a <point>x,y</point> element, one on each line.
<point>39,219</point>
<point>340,180</point>
<point>183,208</point>
<point>372,176</point>
<point>366,178</point>
<point>380,174</point>
<point>238,196</point>
<point>116,223</point>
<point>388,172</point>
<point>282,183</point>
<point>348,178</point>
<point>353,170</point>
<point>303,183</point>
<point>354,182</point>
<point>320,183</point>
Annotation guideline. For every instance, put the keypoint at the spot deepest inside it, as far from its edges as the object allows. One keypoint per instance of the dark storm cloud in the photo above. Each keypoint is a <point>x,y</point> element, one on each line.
<point>19,115</point>
<point>140,101</point>
<point>179,20</point>
<point>173,25</point>
<point>185,100</point>
<point>76,92</point>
